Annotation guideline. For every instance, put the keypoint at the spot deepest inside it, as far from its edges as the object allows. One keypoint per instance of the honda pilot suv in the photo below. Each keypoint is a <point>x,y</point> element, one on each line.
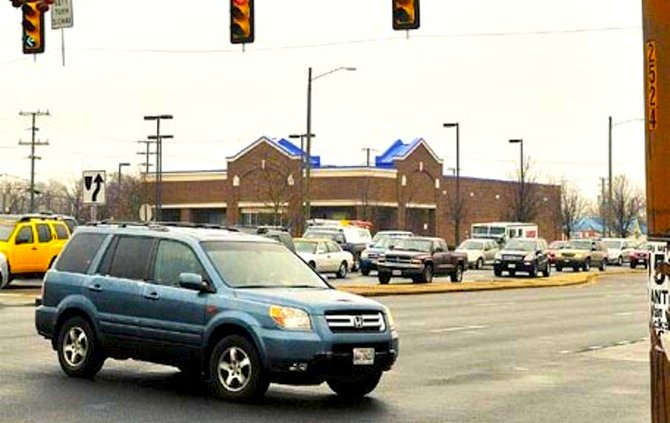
<point>200,300</point>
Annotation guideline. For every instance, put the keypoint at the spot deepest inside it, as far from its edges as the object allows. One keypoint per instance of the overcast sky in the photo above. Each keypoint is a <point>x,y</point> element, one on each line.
<point>546,71</point>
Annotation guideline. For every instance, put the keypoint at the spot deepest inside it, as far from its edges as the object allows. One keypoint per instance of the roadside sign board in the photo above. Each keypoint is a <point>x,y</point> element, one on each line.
<point>659,282</point>
<point>146,213</point>
<point>94,187</point>
<point>61,14</point>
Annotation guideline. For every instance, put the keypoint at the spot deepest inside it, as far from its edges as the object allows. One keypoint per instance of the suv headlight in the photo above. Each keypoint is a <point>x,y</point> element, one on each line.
<point>389,318</point>
<point>364,254</point>
<point>290,318</point>
<point>498,256</point>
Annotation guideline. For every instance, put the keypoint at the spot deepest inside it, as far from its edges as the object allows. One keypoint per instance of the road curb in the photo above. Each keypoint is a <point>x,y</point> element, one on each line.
<point>443,288</point>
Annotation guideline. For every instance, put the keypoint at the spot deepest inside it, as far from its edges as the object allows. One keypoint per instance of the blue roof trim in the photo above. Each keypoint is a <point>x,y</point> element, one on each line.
<point>397,149</point>
<point>294,151</point>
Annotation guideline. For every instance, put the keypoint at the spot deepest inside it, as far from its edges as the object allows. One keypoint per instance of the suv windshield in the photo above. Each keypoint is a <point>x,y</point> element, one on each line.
<point>260,265</point>
<point>517,244</point>
<point>413,244</point>
<point>580,245</point>
<point>471,245</point>
<point>613,244</point>
<point>6,230</point>
<point>305,247</point>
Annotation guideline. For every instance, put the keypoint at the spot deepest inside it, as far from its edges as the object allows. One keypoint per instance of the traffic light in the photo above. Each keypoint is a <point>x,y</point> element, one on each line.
<point>33,28</point>
<point>405,14</point>
<point>241,21</point>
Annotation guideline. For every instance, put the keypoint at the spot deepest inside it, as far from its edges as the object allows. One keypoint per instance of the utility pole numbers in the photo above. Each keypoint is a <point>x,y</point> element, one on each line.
<point>652,86</point>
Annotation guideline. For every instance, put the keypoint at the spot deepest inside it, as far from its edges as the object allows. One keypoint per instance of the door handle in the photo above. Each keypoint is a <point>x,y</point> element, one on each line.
<point>96,287</point>
<point>34,248</point>
<point>152,295</point>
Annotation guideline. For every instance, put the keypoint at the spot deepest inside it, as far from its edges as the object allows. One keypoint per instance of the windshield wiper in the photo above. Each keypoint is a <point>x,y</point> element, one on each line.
<point>303,286</point>
<point>255,286</point>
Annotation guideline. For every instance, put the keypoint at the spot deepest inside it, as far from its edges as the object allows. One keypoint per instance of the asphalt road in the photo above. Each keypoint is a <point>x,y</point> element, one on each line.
<point>573,354</point>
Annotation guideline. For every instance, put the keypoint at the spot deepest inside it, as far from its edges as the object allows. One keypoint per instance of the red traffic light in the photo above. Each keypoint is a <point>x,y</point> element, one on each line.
<point>405,14</point>
<point>241,21</point>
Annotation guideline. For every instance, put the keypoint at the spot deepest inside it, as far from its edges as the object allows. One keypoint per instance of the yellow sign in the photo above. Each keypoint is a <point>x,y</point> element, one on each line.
<point>652,86</point>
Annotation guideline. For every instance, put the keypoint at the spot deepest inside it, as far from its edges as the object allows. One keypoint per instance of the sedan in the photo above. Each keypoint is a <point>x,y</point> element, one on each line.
<point>324,256</point>
<point>4,271</point>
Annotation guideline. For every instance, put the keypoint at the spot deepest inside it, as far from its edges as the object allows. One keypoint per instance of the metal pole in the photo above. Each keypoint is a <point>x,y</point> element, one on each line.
<point>309,146</point>
<point>458,187</point>
<point>62,44</point>
<point>522,194</point>
<point>32,168</point>
<point>609,183</point>
<point>157,184</point>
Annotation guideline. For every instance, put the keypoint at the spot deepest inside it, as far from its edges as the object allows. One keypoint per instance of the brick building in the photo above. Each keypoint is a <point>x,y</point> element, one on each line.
<point>405,189</point>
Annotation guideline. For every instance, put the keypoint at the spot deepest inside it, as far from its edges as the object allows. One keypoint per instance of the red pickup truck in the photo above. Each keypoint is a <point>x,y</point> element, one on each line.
<point>421,258</point>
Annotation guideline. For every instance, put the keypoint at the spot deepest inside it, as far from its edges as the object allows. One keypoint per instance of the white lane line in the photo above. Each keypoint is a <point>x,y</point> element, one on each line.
<point>494,304</point>
<point>565,352</point>
<point>594,347</point>
<point>458,328</point>
<point>629,313</point>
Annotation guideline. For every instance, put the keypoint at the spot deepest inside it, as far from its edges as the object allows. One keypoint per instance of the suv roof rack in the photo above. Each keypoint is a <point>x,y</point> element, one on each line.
<point>161,225</point>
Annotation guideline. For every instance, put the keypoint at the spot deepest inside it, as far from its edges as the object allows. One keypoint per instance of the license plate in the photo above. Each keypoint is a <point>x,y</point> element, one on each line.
<point>364,356</point>
<point>511,265</point>
<point>396,272</point>
<point>566,261</point>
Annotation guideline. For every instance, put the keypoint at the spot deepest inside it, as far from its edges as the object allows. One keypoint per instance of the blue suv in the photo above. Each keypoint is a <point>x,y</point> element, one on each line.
<point>241,310</point>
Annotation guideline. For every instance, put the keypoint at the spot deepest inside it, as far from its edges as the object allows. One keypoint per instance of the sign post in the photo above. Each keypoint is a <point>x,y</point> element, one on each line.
<point>656,15</point>
<point>94,190</point>
<point>61,18</point>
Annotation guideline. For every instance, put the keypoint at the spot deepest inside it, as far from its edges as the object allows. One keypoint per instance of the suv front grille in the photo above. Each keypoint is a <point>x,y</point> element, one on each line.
<point>355,321</point>
<point>507,257</point>
<point>398,259</point>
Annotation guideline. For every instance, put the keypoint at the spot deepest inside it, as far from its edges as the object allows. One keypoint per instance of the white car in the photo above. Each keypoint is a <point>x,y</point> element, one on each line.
<point>618,250</point>
<point>4,272</point>
<point>479,251</point>
<point>324,255</point>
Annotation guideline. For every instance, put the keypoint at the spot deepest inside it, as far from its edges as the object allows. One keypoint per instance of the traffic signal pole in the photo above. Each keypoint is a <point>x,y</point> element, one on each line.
<point>656,17</point>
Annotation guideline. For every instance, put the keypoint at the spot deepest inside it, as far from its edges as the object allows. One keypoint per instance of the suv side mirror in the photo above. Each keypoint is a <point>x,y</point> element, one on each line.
<point>194,282</point>
<point>22,238</point>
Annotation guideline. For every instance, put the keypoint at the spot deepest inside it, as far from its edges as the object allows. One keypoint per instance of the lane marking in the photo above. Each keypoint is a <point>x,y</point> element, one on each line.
<point>458,328</point>
<point>495,304</point>
<point>629,313</point>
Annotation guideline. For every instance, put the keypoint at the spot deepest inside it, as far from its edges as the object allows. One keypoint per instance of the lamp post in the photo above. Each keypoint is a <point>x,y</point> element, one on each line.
<point>457,214</point>
<point>309,134</point>
<point>521,191</point>
<point>159,159</point>
<point>302,176</point>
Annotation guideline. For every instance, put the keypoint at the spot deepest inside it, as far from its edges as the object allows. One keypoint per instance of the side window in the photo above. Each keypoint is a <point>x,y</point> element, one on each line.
<point>333,247</point>
<point>173,258</point>
<point>25,235</point>
<point>43,232</point>
<point>321,248</point>
<point>61,231</point>
<point>131,257</point>
<point>79,253</point>
<point>443,244</point>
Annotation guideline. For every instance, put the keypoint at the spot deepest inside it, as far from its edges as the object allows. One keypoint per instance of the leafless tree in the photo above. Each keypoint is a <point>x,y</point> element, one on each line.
<point>627,205</point>
<point>526,202</point>
<point>573,207</point>
<point>274,185</point>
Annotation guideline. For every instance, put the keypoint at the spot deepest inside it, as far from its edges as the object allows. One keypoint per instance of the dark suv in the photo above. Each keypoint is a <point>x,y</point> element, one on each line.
<point>523,255</point>
<point>198,299</point>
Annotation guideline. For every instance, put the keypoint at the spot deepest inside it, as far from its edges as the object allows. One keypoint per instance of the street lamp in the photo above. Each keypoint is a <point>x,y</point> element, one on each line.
<point>302,171</point>
<point>521,191</point>
<point>457,215</point>
<point>308,135</point>
<point>159,159</point>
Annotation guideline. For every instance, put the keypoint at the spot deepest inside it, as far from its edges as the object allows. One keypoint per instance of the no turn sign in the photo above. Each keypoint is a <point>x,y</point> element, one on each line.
<point>94,187</point>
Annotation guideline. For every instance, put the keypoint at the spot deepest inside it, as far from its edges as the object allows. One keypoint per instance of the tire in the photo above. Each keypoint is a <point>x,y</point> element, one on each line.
<point>312,265</point>
<point>357,263</point>
<point>79,354</point>
<point>619,261</point>
<point>5,284</point>
<point>235,370</point>
<point>365,271</point>
<point>559,268</point>
<point>512,273</point>
<point>533,271</point>
<point>457,274</point>
<point>547,270</point>
<point>603,265</point>
<point>427,275</point>
<point>384,278</point>
<point>633,264</point>
<point>342,271</point>
<point>497,272</point>
<point>587,265</point>
<point>480,263</point>
<point>355,386</point>
<point>576,268</point>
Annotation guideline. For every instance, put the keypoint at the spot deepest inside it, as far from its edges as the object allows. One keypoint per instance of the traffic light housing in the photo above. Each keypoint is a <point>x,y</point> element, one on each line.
<point>405,14</point>
<point>33,28</point>
<point>241,21</point>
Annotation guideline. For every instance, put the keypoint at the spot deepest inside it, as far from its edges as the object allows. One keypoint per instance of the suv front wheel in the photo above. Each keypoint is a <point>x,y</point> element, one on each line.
<point>235,370</point>
<point>357,386</point>
<point>78,351</point>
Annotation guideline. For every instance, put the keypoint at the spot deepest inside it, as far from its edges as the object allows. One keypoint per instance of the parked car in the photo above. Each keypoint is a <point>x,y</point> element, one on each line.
<point>394,233</point>
<point>352,238</point>
<point>479,251</point>
<point>240,310</point>
<point>582,254</point>
<point>4,271</point>
<point>642,255</point>
<point>325,256</point>
<point>618,250</point>
<point>553,249</point>
<point>370,255</point>
<point>523,255</point>
<point>30,243</point>
<point>280,235</point>
<point>420,258</point>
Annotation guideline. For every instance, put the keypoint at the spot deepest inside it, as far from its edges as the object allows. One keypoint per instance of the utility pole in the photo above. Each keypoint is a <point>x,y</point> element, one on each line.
<point>159,160</point>
<point>308,172</point>
<point>367,156</point>
<point>609,175</point>
<point>603,204</point>
<point>33,143</point>
<point>147,164</point>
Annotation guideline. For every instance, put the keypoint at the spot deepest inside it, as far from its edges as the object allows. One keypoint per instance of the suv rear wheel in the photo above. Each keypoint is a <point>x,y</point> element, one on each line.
<point>354,386</point>
<point>78,351</point>
<point>457,274</point>
<point>235,370</point>
<point>384,277</point>
<point>427,275</point>
<point>342,271</point>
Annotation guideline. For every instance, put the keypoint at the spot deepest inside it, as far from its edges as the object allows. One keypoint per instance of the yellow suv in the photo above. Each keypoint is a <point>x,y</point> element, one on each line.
<point>30,243</point>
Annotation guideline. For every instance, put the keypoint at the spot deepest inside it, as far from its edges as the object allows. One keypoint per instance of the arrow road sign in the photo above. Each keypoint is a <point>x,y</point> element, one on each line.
<point>94,187</point>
